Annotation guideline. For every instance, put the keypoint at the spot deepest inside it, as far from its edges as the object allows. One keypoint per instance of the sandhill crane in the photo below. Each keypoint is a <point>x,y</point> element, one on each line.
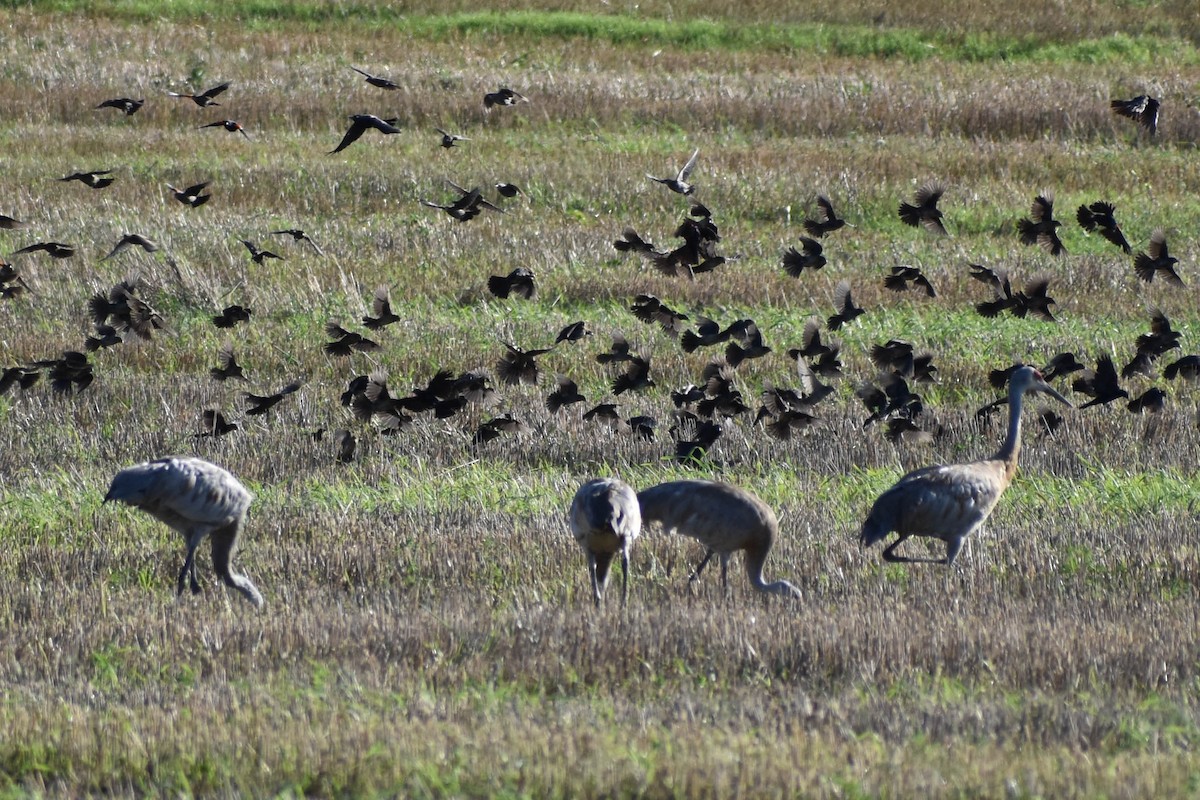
<point>723,518</point>
<point>606,519</point>
<point>948,502</point>
<point>198,499</point>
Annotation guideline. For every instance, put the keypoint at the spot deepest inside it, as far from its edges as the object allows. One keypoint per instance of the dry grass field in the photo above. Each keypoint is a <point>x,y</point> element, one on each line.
<point>428,629</point>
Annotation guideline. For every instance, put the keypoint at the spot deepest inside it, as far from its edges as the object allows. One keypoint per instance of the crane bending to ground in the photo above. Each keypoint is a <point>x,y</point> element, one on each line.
<point>198,499</point>
<point>949,502</point>
<point>605,519</point>
<point>722,517</point>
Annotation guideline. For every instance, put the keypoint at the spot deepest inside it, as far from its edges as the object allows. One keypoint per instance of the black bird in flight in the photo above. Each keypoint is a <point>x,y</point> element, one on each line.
<point>231,125</point>
<point>259,256</point>
<point>902,275</point>
<point>261,404</point>
<point>300,236</point>
<point>503,97</point>
<point>1100,217</point>
<point>53,249</point>
<point>131,240</point>
<point>1100,383</point>
<point>381,308</point>
<point>125,104</point>
<point>227,365</point>
<point>1041,227</point>
<point>796,261</point>
<point>360,124</point>
<point>231,315</point>
<point>450,139</point>
<point>680,182</point>
<point>518,283</point>
<point>193,195</point>
<point>204,99</point>
<point>97,179</point>
<point>827,222</point>
<point>375,80</point>
<point>846,310</point>
<point>1156,259</point>
<point>1142,109</point>
<point>923,210</point>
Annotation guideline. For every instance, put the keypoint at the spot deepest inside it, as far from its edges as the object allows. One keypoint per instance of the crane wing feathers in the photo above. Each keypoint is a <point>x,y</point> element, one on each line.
<point>182,491</point>
<point>939,501</point>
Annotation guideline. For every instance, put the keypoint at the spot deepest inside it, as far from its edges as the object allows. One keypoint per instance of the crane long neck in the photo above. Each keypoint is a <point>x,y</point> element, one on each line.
<point>756,557</point>
<point>1011,447</point>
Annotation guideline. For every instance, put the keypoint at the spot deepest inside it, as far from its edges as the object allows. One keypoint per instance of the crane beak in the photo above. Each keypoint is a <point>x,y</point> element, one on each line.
<point>1046,388</point>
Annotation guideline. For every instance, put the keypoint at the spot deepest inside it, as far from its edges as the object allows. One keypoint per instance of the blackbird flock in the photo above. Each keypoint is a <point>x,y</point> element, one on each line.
<point>704,410</point>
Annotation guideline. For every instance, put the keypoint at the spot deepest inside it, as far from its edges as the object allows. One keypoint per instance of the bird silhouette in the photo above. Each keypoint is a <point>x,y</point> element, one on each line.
<point>572,332</point>
<point>923,210</point>
<point>1100,384</point>
<point>128,105</point>
<point>707,333</point>
<point>1042,228</point>
<point>97,179</point>
<point>469,205</point>
<point>231,125</point>
<point>650,309</point>
<point>258,256</point>
<point>630,242</point>
<point>518,283</point>
<point>227,365</point>
<point>198,499</point>
<point>1156,259</point>
<point>503,97</point>
<point>1186,367</point>
<point>809,257</point>
<point>1142,109</point>
<point>565,393</point>
<point>606,519</point>
<point>231,316</point>
<point>131,240</point>
<point>260,404</point>
<point>843,302</point>
<point>204,99</point>
<point>299,236</point>
<point>52,249</point>
<point>826,222</point>
<point>949,502</point>
<point>214,424</point>
<point>192,195</point>
<point>346,342</point>
<point>724,519</point>
<point>381,308</point>
<point>106,336</point>
<point>1100,217</point>
<point>375,80</point>
<point>679,183</point>
<point>360,124</point>
<point>344,445</point>
<point>902,275</point>
<point>519,366</point>
<point>749,342</point>
<point>1151,401</point>
<point>635,377</point>
<point>451,139</point>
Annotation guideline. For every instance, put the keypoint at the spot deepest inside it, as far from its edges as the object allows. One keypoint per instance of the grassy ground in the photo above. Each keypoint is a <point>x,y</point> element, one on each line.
<point>428,629</point>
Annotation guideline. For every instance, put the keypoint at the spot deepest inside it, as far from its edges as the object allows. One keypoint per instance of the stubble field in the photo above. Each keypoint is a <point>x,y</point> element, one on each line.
<point>428,628</point>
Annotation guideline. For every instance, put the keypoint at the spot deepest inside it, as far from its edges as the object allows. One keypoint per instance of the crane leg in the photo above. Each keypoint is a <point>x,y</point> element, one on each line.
<point>890,555</point>
<point>700,567</point>
<point>624,577</point>
<point>592,575</point>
